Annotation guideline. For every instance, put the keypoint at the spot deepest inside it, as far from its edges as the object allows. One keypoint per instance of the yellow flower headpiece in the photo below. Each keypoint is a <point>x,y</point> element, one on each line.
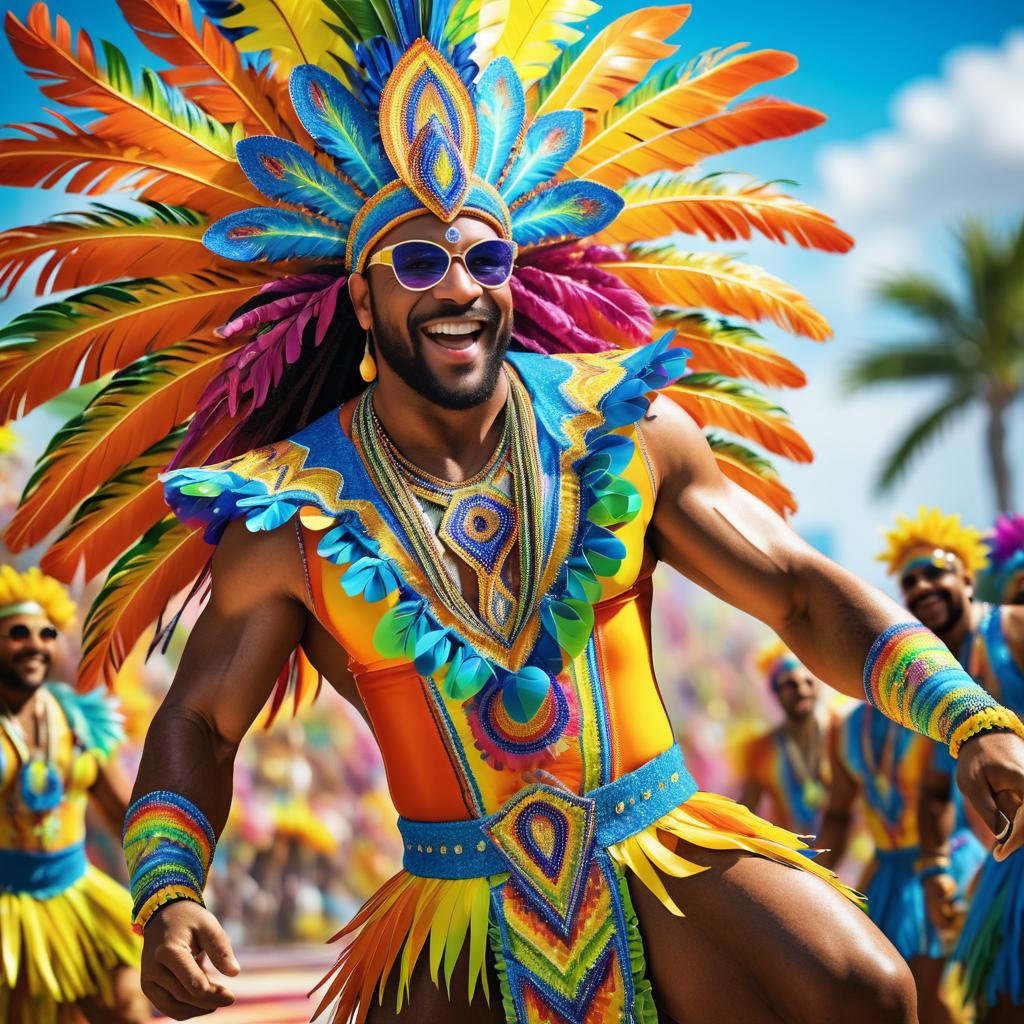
<point>32,587</point>
<point>933,529</point>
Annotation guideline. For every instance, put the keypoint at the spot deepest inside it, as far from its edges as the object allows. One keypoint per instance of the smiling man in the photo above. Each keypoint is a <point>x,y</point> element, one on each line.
<point>67,945</point>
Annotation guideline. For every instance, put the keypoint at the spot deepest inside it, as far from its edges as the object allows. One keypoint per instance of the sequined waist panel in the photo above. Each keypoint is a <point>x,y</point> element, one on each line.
<point>42,874</point>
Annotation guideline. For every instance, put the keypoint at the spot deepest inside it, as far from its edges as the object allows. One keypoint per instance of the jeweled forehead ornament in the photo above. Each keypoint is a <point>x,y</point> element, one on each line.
<point>435,146</point>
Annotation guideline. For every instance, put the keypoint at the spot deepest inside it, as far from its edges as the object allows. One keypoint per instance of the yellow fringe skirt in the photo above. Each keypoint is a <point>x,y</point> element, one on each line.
<point>57,951</point>
<point>410,913</point>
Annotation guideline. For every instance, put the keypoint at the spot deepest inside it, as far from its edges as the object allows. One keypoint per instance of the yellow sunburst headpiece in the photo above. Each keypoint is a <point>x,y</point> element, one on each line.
<point>33,592</point>
<point>933,529</point>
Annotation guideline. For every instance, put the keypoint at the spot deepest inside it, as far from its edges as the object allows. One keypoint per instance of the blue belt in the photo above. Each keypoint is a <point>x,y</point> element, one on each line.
<point>465,849</point>
<point>42,874</point>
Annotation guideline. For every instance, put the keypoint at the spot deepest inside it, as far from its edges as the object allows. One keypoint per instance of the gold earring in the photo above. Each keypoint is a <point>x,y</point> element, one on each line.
<point>368,366</point>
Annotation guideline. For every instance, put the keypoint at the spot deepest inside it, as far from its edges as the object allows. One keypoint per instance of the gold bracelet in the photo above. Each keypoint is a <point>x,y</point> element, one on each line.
<point>983,721</point>
<point>938,860</point>
<point>168,894</point>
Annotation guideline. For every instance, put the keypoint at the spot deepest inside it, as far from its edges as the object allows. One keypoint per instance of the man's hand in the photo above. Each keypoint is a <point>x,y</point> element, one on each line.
<point>990,773</point>
<point>941,904</point>
<point>174,944</point>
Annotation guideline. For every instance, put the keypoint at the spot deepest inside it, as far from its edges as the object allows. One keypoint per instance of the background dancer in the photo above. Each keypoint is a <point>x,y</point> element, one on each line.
<point>1001,581</point>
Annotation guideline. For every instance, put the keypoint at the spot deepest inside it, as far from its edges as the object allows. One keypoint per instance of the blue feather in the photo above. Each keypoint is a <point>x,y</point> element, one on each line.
<point>337,121</point>
<point>284,170</point>
<point>500,111</point>
<point>265,233</point>
<point>551,141</point>
<point>571,209</point>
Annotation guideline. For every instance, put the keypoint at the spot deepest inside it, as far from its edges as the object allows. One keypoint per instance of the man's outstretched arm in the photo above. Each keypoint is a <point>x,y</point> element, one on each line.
<point>722,538</point>
<point>252,622</point>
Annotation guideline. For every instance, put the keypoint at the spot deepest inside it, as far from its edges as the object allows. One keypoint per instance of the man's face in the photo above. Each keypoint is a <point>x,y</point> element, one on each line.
<point>935,589</point>
<point>26,651</point>
<point>447,343</point>
<point>797,691</point>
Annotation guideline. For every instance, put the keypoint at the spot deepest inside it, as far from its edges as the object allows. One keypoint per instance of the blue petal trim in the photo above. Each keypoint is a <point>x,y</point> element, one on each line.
<point>94,717</point>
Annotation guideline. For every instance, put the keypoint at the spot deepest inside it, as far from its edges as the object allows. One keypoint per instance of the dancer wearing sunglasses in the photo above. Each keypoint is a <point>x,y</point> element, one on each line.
<point>936,560</point>
<point>66,942</point>
<point>461,535</point>
<point>788,766</point>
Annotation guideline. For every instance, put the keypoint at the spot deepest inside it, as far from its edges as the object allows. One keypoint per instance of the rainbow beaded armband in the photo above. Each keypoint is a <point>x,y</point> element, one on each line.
<point>911,677</point>
<point>168,847</point>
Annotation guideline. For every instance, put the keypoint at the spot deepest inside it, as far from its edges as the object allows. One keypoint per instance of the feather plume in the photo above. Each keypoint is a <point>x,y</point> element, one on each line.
<point>753,472</point>
<point>537,30</point>
<point>156,117</point>
<point>721,347</point>
<point>600,72</point>
<point>571,208</point>
<point>493,16</point>
<point>165,561</point>
<point>86,248</point>
<point>141,404</point>
<point>720,210</point>
<point>293,31</point>
<point>714,400</point>
<point>268,233</point>
<point>667,276</point>
<point>500,112</point>
<point>681,147</point>
<point>103,329</point>
<point>676,97</point>
<point>76,161</point>
<point>550,141</point>
<point>205,66</point>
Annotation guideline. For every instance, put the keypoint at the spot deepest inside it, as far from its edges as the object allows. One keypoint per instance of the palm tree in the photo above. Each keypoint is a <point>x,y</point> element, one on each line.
<point>974,345</point>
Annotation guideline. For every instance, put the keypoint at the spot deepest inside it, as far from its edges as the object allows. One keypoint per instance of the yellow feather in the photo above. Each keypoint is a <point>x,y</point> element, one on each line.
<point>615,60</point>
<point>667,277</point>
<point>489,29</point>
<point>665,859</point>
<point>294,31</point>
<point>536,32</point>
<point>479,918</point>
<point>458,927</point>
<point>439,928</point>
<point>36,949</point>
<point>629,853</point>
<point>10,938</point>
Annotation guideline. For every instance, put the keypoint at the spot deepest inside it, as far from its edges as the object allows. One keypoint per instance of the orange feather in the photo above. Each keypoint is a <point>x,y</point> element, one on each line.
<point>767,488</point>
<point>615,60</point>
<point>135,410</point>
<point>736,410</point>
<point>668,103</point>
<point>90,250</point>
<point>667,277</point>
<point>721,211</point>
<point>107,329</point>
<point>140,584</point>
<point>93,166</point>
<point>720,347</point>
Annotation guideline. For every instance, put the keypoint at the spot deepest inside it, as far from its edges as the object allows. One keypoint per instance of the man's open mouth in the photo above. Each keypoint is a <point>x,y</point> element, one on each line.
<point>455,334</point>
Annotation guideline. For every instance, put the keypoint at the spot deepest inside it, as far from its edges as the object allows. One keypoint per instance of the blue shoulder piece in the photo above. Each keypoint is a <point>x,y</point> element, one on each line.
<point>94,717</point>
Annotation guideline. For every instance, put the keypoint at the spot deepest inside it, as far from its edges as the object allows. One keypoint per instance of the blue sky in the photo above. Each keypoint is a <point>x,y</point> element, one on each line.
<point>934,90</point>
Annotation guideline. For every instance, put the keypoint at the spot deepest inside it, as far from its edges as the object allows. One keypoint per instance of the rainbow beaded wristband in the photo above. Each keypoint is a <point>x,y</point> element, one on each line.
<point>911,677</point>
<point>168,847</point>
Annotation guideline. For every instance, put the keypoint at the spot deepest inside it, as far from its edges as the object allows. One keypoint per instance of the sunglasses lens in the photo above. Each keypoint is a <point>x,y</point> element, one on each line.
<point>19,632</point>
<point>419,265</point>
<point>933,572</point>
<point>48,633</point>
<point>490,261</point>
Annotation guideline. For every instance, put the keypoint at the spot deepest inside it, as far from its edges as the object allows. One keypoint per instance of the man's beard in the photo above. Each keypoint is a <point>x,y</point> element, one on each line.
<point>412,367</point>
<point>10,676</point>
<point>954,611</point>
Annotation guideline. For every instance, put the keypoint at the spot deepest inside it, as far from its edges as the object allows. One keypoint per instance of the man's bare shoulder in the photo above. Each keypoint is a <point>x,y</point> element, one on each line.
<point>259,565</point>
<point>674,443</point>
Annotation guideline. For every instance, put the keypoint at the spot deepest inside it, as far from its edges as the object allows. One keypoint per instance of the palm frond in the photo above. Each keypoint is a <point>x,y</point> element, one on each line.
<point>96,246</point>
<point>720,209</point>
<point>596,74</point>
<point>919,436</point>
<point>921,297</point>
<point>716,401</point>
<point>667,276</point>
<point>721,347</point>
<point>140,405</point>
<point>752,471</point>
<point>900,364</point>
<point>103,329</point>
<point>165,561</point>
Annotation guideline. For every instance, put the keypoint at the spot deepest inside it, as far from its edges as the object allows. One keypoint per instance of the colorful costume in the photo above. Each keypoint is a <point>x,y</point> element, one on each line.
<point>1002,580</point>
<point>988,955</point>
<point>888,763</point>
<point>63,924</point>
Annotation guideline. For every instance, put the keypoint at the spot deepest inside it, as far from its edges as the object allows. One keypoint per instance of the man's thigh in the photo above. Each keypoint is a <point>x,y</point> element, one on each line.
<point>762,942</point>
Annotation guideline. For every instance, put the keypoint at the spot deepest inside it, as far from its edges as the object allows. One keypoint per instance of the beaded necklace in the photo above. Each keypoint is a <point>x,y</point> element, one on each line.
<point>479,522</point>
<point>40,785</point>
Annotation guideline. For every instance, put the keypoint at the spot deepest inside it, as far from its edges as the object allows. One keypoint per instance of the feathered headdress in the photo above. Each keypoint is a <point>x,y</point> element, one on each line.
<point>775,659</point>
<point>293,133</point>
<point>1002,579</point>
<point>934,530</point>
<point>33,592</point>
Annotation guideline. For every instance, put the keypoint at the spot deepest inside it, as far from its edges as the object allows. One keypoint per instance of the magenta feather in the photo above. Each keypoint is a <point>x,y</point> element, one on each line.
<point>1007,538</point>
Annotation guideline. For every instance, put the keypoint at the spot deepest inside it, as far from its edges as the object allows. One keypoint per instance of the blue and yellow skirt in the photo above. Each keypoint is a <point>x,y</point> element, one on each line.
<point>541,887</point>
<point>64,925</point>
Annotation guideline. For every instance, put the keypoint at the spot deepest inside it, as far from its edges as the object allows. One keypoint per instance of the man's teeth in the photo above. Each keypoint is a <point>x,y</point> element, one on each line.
<point>454,327</point>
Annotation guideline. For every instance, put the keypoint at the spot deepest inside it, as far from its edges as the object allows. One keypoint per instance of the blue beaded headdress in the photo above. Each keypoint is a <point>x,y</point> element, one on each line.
<point>436,147</point>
